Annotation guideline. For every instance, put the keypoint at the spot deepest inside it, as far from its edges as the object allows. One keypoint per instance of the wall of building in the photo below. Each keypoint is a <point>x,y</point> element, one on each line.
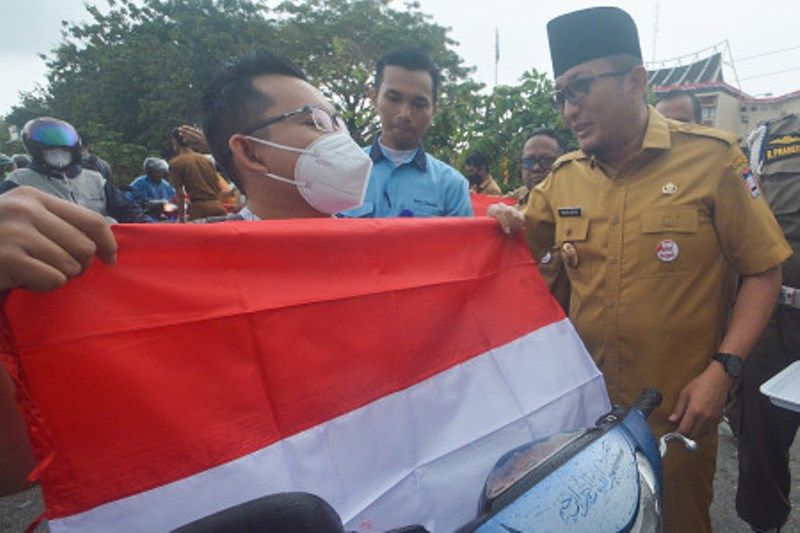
<point>728,116</point>
<point>741,116</point>
<point>754,113</point>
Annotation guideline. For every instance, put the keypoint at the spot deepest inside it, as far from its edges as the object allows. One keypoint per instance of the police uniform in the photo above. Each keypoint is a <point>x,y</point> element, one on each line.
<point>651,243</point>
<point>767,431</point>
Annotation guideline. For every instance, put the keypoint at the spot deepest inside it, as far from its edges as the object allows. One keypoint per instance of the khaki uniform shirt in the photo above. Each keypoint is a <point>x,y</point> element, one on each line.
<point>653,240</point>
<point>521,195</point>
<point>489,186</point>
<point>197,175</point>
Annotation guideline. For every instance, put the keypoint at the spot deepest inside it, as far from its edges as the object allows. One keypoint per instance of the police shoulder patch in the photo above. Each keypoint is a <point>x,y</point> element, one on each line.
<point>751,182</point>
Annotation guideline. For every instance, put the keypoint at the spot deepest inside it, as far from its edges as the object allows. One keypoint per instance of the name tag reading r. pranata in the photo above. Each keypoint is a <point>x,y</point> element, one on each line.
<point>569,211</point>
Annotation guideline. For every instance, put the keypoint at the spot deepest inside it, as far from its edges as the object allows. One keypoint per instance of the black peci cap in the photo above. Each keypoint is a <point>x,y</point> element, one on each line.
<point>589,34</point>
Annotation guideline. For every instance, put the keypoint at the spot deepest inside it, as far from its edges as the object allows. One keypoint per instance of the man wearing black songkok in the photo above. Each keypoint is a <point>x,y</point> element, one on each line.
<point>648,215</point>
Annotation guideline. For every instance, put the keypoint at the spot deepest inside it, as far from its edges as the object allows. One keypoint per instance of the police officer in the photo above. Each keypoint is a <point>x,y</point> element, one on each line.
<point>648,213</point>
<point>767,431</point>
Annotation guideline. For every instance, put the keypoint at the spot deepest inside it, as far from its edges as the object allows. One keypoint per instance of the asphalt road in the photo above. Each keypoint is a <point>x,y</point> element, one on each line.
<point>723,509</point>
<point>17,511</point>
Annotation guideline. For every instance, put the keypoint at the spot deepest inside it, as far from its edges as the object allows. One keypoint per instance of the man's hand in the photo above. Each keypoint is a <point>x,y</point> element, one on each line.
<point>45,241</point>
<point>510,219</point>
<point>700,404</point>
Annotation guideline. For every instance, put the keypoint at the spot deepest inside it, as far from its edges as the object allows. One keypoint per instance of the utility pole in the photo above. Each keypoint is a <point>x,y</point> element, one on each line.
<point>655,30</point>
<point>496,53</point>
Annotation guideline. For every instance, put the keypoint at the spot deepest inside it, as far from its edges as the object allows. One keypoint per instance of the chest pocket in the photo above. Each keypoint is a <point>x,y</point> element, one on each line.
<point>667,240</point>
<point>569,229</point>
<point>669,220</point>
<point>419,209</point>
<point>575,230</point>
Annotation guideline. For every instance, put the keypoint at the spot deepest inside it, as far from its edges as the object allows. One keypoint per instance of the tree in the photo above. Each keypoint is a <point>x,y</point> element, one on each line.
<point>130,75</point>
<point>339,42</point>
<point>506,117</point>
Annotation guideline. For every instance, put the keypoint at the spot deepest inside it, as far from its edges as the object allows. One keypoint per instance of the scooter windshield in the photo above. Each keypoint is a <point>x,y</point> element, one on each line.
<point>523,460</point>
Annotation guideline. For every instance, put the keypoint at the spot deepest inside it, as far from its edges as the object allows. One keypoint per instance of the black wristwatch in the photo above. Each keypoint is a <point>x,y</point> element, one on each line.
<point>732,364</point>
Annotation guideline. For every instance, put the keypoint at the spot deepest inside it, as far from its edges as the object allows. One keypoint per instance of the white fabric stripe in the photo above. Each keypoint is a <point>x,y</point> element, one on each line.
<point>420,455</point>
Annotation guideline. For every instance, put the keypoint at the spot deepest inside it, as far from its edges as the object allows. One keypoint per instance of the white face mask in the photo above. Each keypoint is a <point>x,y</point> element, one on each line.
<point>331,173</point>
<point>58,157</point>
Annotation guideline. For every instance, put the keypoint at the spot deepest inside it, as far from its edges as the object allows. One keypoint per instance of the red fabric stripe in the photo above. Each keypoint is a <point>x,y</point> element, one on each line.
<point>481,202</point>
<point>207,343</point>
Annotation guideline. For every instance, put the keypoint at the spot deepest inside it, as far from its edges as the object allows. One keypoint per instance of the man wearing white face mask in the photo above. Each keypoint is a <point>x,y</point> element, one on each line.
<point>281,142</point>
<point>56,169</point>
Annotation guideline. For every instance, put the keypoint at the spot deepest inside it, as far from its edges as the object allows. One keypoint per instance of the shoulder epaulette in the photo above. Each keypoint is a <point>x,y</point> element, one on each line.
<point>705,131</point>
<point>567,158</point>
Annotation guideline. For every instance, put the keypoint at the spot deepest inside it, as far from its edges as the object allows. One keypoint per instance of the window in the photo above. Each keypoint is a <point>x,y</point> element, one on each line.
<point>708,115</point>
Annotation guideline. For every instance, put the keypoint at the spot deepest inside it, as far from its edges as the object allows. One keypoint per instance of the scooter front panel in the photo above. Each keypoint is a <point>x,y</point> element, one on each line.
<point>597,490</point>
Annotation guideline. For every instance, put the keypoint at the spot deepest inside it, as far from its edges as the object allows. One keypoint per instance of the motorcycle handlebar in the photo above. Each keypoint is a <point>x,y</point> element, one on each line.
<point>648,400</point>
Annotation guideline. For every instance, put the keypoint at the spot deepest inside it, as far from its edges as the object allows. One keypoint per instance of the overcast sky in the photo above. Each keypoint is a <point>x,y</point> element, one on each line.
<point>30,27</point>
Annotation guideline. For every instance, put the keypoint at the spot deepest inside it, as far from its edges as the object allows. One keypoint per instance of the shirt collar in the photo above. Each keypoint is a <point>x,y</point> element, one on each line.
<point>419,161</point>
<point>657,133</point>
<point>485,183</point>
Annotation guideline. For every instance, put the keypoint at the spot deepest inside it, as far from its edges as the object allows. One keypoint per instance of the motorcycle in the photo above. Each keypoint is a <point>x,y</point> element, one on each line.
<point>160,210</point>
<point>605,478</point>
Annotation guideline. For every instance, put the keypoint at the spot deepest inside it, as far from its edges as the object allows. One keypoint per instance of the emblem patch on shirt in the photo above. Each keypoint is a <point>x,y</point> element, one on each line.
<point>782,147</point>
<point>669,189</point>
<point>751,182</point>
<point>546,258</point>
<point>569,211</point>
<point>667,251</point>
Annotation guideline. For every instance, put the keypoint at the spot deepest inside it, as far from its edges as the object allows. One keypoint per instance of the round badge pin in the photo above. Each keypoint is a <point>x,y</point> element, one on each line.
<point>667,251</point>
<point>669,189</point>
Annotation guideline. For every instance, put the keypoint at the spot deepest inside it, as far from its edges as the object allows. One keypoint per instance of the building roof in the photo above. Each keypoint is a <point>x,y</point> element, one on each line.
<point>707,70</point>
<point>703,76</point>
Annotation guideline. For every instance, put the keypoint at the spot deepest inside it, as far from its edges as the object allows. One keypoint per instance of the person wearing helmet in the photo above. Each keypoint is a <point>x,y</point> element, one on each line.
<point>55,149</point>
<point>21,160</point>
<point>92,161</point>
<point>152,186</point>
<point>6,164</point>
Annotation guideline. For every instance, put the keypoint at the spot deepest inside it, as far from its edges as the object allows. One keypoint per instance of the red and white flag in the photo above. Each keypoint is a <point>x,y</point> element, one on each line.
<point>481,202</point>
<point>384,365</point>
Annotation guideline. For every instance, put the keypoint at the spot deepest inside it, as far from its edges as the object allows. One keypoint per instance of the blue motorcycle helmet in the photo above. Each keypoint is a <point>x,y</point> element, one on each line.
<point>53,145</point>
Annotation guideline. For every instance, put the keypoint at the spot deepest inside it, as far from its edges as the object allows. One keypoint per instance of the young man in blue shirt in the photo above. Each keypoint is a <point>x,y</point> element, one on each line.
<point>405,180</point>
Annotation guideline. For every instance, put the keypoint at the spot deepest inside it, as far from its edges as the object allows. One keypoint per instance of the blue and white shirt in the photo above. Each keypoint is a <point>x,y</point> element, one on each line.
<point>421,186</point>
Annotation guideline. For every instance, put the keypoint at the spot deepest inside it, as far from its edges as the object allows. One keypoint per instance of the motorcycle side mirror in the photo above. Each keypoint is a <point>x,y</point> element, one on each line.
<point>688,444</point>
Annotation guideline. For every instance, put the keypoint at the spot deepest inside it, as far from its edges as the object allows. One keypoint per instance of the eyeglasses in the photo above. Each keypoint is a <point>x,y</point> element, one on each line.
<point>546,163</point>
<point>576,90</point>
<point>322,119</point>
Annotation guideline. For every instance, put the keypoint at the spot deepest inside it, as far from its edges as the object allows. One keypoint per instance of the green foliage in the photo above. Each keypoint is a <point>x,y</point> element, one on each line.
<point>504,120</point>
<point>130,75</point>
<point>338,43</point>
